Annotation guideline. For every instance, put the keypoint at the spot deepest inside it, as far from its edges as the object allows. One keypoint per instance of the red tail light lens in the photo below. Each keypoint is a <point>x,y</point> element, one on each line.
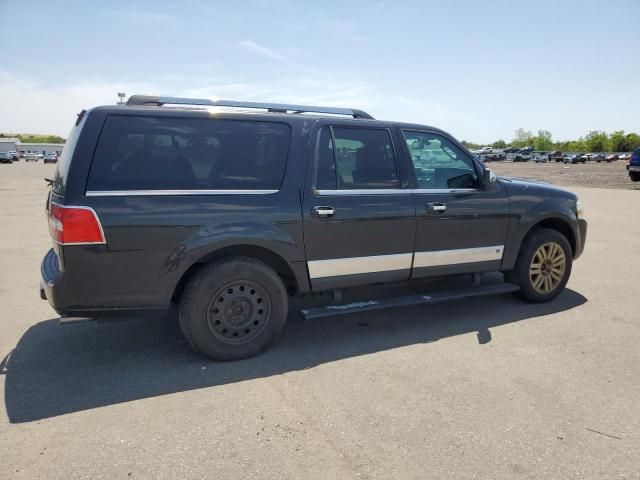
<point>74,225</point>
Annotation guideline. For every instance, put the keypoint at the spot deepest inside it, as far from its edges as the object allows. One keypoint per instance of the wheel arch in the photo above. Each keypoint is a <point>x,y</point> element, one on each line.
<point>559,223</point>
<point>263,254</point>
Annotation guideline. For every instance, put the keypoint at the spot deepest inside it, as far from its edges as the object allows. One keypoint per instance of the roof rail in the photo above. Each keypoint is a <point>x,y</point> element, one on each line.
<point>271,107</point>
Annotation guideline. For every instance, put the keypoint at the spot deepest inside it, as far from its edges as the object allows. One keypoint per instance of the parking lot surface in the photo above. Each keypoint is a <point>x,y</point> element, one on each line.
<point>590,174</point>
<point>485,388</point>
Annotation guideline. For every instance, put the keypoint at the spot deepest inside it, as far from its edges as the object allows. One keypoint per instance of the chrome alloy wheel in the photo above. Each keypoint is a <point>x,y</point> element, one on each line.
<point>547,268</point>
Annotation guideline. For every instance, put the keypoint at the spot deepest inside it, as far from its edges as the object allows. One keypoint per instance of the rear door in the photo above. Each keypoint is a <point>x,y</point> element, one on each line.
<point>461,226</point>
<point>358,214</point>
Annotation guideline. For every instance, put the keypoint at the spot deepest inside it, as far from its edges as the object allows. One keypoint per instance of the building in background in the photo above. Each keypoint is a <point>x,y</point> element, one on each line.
<point>14,144</point>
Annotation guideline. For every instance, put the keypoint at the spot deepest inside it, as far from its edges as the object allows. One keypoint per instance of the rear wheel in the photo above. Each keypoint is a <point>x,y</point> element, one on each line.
<point>635,177</point>
<point>233,308</point>
<point>543,266</point>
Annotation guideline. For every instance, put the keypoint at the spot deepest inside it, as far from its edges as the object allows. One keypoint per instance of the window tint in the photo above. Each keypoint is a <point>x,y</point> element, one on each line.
<point>146,153</point>
<point>64,162</point>
<point>326,168</point>
<point>438,162</point>
<point>361,158</point>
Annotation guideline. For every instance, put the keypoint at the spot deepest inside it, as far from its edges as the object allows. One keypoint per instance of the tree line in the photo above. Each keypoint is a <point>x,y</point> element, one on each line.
<point>594,141</point>
<point>33,138</point>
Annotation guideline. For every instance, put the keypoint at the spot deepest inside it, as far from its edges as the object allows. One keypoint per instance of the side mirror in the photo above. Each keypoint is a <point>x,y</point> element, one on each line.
<point>488,178</point>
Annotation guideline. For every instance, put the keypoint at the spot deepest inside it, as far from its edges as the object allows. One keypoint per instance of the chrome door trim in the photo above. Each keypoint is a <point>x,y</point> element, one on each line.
<point>395,191</point>
<point>155,193</point>
<point>366,191</point>
<point>439,258</point>
<point>444,190</point>
<point>357,265</point>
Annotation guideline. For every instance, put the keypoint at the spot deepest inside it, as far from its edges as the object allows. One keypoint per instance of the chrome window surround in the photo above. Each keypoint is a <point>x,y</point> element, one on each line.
<point>381,191</point>
<point>395,191</point>
<point>156,193</point>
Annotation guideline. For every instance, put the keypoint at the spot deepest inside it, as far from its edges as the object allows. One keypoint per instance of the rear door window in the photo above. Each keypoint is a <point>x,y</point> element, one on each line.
<point>355,159</point>
<point>156,153</point>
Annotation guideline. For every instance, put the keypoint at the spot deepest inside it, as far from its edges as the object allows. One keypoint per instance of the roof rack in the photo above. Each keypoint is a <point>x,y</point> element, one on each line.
<point>271,107</point>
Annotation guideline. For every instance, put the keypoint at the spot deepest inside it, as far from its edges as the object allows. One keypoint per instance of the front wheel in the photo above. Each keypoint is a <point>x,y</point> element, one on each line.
<point>543,266</point>
<point>233,308</point>
<point>635,177</point>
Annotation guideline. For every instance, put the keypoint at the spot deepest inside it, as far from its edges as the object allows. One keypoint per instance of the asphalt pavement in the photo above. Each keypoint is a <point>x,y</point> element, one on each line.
<point>487,388</point>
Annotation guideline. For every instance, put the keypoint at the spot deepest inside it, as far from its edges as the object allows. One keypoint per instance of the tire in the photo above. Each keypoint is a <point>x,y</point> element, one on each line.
<point>635,177</point>
<point>233,308</point>
<point>556,246</point>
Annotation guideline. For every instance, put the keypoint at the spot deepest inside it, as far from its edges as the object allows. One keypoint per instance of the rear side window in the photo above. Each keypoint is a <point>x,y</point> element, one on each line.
<point>355,159</point>
<point>64,162</point>
<point>151,153</point>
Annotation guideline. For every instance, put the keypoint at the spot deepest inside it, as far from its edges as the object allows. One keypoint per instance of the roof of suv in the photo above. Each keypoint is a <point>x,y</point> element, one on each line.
<point>170,106</point>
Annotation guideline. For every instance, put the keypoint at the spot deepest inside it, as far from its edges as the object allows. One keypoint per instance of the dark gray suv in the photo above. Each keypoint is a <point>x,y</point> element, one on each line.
<point>229,213</point>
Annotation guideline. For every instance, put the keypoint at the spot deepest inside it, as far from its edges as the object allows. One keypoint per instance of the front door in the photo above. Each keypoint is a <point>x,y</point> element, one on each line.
<point>461,225</point>
<point>359,224</point>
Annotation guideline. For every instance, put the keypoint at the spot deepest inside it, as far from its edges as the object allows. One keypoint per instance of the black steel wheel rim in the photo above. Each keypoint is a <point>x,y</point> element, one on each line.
<point>238,312</point>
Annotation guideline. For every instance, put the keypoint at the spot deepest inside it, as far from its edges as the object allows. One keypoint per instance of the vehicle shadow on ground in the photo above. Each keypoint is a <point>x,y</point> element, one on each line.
<point>56,370</point>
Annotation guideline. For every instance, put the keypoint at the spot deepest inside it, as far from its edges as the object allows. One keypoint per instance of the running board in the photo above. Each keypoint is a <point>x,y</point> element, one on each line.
<point>367,305</point>
<point>67,320</point>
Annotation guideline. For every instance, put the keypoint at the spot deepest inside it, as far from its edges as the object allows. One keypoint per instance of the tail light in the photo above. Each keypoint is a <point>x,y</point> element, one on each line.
<point>75,225</point>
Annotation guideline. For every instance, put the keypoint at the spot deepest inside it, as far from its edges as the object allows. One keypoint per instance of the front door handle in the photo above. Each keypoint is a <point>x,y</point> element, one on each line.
<point>323,212</point>
<point>437,207</point>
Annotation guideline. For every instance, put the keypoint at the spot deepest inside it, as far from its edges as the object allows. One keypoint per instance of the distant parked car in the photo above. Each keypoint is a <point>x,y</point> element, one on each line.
<point>486,150</point>
<point>599,157</point>
<point>577,158</point>
<point>31,157</point>
<point>634,165</point>
<point>540,158</point>
<point>5,157</point>
<point>14,155</point>
<point>624,156</point>
<point>611,158</point>
<point>51,158</point>
<point>521,157</point>
<point>556,155</point>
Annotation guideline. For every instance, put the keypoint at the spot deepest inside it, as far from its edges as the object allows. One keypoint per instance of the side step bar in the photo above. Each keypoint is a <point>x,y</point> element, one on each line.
<point>367,305</point>
<point>65,320</point>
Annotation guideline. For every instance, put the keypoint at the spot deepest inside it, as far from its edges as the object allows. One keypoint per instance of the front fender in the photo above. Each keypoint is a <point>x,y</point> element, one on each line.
<point>525,220</point>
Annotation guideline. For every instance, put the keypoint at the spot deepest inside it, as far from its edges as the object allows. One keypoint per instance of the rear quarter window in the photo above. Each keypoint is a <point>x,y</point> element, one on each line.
<point>159,153</point>
<point>64,162</point>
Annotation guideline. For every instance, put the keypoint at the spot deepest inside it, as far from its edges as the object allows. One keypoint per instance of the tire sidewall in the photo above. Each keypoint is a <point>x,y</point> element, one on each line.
<point>529,248</point>
<point>211,279</point>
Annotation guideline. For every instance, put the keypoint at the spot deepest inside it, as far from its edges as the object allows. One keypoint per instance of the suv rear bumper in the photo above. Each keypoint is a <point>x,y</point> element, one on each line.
<point>52,284</point>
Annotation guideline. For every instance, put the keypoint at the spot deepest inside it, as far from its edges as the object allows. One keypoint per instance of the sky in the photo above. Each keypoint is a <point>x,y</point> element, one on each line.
<point>478,69</point>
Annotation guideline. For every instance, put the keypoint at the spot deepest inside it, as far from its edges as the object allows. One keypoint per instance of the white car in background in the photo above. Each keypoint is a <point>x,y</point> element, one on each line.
<point>32,157</point>
<point>51,158</point>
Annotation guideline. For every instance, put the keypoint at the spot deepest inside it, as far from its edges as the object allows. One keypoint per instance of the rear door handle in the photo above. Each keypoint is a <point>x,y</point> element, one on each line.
<point>323,212</point>
<point>437,207</point>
